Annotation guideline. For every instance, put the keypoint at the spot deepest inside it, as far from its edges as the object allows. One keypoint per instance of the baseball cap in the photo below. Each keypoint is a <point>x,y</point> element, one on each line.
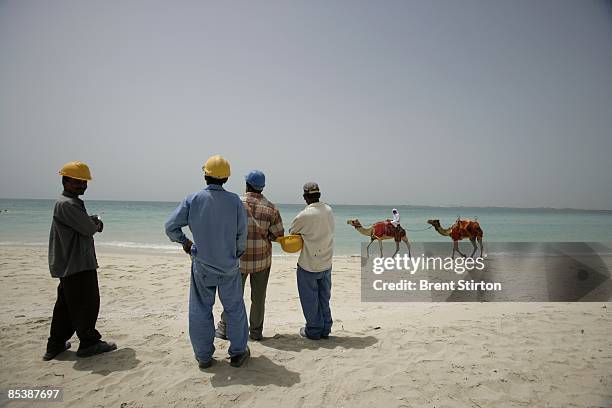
<point>311,187</point>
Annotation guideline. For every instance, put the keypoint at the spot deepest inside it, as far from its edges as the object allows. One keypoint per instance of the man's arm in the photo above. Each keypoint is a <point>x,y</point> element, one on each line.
<point>276,229</point>
<point>297,225</point>
<point>241,235</point>
<point>178,220</point>
<point>77,219</point>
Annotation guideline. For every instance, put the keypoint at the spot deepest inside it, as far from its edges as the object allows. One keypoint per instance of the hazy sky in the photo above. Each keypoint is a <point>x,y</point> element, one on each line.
<point>505,103</point>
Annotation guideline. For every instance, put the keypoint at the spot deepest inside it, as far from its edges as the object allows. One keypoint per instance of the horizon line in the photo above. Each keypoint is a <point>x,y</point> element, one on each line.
<point>560,209</point>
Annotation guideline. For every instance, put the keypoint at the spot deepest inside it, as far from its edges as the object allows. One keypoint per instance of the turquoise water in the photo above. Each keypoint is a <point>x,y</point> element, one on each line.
<point>131,224</point>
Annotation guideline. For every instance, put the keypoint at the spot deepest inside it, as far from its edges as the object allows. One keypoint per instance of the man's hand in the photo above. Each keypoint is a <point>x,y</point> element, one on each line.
<point>187,247</point>
<point>98,222</point>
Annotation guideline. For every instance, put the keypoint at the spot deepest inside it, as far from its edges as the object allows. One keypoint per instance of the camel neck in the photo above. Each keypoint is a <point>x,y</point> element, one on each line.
<point>442,231</point>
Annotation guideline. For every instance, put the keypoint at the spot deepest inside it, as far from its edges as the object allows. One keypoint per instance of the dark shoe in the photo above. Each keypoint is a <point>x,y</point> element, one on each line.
<point>303,334</point>
<point>325,336</point>
<point>220,335</point>
<point>240,359</point>
<point>98,348</point>
<point>205,364</point>
<point>256,337</point>
<point>51,354</point>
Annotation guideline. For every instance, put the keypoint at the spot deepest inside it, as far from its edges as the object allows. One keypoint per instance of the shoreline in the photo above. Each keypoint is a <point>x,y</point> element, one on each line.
<point>102,249</point>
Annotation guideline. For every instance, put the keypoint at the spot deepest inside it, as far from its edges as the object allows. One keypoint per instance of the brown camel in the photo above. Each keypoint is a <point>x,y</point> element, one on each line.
<point>381,228</point>
<point>460,230</point>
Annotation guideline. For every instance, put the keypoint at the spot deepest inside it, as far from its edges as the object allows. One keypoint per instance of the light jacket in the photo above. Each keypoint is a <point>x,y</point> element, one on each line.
<point>316,226</point>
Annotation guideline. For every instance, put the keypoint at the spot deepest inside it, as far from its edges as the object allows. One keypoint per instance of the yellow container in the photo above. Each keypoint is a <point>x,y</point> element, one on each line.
<point>291,243</point>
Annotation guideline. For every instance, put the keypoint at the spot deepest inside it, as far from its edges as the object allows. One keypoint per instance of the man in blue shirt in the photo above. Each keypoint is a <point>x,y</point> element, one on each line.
<point>218,222</point>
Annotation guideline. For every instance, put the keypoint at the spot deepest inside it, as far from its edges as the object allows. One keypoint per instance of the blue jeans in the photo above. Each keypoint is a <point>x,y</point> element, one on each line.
<point>315,291</point>
<point>201,321</point>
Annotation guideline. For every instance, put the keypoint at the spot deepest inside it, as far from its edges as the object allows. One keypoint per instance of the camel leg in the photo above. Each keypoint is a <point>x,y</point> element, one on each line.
<point>396,249</point>
<point>456,249</point>
<point>368,247</point>
<point>407,245</point>
<point>481,245</point>
<point>380,245</point>
<point>473,241</point>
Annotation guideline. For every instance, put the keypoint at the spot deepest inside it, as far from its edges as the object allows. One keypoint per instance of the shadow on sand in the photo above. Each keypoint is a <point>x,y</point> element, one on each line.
<point>122,359</point>
<point>258,371</point>
<point>295,342</point>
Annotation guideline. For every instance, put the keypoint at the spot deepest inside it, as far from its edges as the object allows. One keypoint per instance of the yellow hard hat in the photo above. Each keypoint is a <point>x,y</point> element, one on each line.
<point>76,170</point>
<point>291,243</point>
<point>217,167</point>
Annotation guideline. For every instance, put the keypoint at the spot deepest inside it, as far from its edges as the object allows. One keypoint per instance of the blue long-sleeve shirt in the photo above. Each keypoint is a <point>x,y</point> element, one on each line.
<point>218,222</point>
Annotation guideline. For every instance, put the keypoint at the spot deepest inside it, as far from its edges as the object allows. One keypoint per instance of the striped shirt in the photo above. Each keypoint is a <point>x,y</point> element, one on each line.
<point>264,225</point>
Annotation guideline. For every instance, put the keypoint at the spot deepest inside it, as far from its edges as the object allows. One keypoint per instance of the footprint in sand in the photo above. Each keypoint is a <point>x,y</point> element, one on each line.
<point>435,347</point>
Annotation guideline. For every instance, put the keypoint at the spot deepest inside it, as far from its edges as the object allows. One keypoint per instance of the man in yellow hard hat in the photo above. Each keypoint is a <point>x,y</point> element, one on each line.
<point>72,259</point>
<point>218,222</point>
<point>315,224</point>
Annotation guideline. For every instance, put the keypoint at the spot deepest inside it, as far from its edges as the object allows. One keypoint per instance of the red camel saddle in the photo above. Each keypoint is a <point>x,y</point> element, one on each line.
<point>385,228</point>
<point>465,229</point>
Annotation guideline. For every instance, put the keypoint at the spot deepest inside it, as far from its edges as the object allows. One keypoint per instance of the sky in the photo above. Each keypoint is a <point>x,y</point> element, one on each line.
<point>474,103</point>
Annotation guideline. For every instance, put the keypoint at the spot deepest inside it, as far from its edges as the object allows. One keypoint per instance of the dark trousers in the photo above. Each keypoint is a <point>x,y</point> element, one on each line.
<point>315,291</point>
<point>76,309</point>
<point>259,285</point>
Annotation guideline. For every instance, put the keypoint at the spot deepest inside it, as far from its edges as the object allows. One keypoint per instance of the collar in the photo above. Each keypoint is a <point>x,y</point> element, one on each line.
<point>317,204</point>
<point>70,194</point>
<point>252,194</point>
<point>214,187</point>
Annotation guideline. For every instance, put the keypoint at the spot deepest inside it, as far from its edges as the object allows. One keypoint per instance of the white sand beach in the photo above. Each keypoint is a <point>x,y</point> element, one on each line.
<point>380,354</point>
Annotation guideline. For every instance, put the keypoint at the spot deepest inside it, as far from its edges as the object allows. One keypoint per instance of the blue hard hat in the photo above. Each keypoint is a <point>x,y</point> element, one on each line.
<point>256,179</point>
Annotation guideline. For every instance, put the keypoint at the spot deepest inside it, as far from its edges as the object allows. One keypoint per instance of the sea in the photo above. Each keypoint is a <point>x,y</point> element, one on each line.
<point>140,224</point>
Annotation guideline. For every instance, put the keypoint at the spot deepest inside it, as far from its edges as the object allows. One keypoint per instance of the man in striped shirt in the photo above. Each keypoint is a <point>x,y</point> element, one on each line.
<point>264,226</point>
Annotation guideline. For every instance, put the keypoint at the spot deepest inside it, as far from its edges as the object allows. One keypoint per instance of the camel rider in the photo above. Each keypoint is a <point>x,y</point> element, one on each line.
<point>396,219</point>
